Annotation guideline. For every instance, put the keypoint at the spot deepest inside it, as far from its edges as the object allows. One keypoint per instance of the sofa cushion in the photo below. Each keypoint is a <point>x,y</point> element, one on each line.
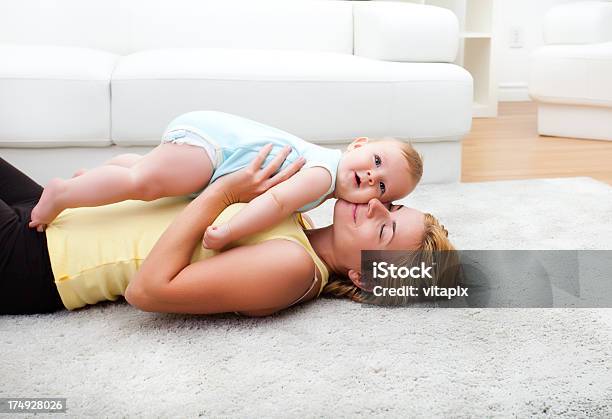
<point>54,96</point>
<point>320,96</point>
<point>584,22</point>
<point>405,32</point>
<point>572,74</point>
<point>128,26</point>
<point>265,24</point>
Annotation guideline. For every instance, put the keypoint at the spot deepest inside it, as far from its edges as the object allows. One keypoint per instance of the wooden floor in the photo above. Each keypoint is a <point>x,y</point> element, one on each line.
<point>509,147</point>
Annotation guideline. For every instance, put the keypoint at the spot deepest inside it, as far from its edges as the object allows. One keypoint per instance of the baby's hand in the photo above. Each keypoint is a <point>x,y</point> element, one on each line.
<point>216,237</point>
<point>38,225</point>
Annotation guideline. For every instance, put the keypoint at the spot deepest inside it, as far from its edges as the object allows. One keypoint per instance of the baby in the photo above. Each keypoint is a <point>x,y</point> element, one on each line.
<point>199,147</point>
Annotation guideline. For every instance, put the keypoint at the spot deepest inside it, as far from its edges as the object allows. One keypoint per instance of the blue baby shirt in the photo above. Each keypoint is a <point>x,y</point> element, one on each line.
<point>237,141</point>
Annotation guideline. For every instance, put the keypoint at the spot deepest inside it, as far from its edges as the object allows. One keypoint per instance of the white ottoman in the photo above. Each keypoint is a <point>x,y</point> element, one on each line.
<point>54,96</point>
<point>571,76</point>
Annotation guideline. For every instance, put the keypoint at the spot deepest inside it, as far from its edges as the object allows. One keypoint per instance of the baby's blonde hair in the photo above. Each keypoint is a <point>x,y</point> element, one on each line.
<point>434,247</point>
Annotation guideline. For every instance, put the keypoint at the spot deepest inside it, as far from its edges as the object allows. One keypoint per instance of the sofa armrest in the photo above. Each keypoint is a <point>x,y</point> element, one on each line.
<point>586,22</point>
<point>407,32</point>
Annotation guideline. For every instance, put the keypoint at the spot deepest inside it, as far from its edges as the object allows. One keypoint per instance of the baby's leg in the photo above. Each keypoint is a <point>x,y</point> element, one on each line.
<point>123,160</point>
<point>168,170</point>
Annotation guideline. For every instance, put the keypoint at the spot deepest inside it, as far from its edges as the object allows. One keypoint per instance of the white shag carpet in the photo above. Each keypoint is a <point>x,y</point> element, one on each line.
<point>336,358</point>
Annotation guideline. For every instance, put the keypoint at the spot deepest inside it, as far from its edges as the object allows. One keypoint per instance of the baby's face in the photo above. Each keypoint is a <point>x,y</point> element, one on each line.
<point>373,170</point>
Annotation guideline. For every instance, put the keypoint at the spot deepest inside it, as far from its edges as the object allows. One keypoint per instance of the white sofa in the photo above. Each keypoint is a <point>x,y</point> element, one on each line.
<point>571,76</point>
<point>81,81</point>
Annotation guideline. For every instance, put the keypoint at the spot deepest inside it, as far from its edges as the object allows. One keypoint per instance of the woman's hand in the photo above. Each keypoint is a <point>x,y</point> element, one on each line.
<point>250,182</point>
<point>246,184</point>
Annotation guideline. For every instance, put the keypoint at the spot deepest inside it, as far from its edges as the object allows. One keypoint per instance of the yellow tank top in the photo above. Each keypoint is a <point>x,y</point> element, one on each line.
<point>94,252</point>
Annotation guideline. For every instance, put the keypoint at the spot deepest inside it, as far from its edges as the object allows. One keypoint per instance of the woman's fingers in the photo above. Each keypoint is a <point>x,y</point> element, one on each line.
<point>253,180</point>
<point>287,172</point>
<point>276,162</point>
<point>261,157</point>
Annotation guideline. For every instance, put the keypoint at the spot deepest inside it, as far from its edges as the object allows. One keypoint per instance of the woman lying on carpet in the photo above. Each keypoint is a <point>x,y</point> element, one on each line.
<point>89,255</point>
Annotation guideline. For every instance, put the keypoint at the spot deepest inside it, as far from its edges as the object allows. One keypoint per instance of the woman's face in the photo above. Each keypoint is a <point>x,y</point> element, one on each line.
<point>374,226</point>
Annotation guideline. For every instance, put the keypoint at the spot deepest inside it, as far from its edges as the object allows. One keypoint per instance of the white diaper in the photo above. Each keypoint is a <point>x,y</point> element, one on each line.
<point>183,136</point>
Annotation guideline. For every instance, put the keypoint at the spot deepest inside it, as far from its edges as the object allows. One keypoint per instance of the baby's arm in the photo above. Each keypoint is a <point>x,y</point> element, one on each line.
<point>271,207</point>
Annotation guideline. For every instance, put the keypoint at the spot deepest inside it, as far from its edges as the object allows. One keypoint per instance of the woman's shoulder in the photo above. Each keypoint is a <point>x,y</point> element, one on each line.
<point>296,261</point>
<point>297,270</point>
<point>288,252</point>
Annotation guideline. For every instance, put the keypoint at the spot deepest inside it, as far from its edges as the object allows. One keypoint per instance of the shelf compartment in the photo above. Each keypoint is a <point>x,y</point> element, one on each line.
<point>476,60</point>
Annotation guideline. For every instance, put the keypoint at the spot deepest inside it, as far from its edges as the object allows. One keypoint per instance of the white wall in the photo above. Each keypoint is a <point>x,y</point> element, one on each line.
<point>513,63</point>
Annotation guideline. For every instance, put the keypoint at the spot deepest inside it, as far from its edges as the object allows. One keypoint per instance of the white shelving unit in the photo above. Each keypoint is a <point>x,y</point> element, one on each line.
<point>476,48</point>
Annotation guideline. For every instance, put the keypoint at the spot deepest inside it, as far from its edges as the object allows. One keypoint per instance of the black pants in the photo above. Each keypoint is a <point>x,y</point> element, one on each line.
<point>26,279</point>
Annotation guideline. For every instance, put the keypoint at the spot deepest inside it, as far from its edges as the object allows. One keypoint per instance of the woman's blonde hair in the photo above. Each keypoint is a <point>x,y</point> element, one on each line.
<point>435,250</point>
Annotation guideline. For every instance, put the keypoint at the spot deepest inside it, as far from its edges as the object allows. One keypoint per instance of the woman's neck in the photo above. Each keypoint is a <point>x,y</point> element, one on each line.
<point>321,240</point>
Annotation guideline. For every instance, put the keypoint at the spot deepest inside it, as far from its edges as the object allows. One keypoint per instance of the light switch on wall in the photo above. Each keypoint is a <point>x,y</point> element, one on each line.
<point>516,37</point>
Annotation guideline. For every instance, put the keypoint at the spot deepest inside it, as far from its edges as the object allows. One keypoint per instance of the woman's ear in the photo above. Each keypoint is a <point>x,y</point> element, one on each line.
<point>357,142</point>
<point>355,277</point>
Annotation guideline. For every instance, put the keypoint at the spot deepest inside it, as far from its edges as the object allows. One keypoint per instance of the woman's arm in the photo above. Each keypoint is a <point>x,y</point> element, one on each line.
<point>255,280</point>
<point>271,207</point>
<point>173,251</point>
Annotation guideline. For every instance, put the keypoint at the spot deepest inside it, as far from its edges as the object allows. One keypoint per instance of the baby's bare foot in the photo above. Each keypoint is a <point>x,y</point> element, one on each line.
<point>48,207</point>
<point>79,173</point>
